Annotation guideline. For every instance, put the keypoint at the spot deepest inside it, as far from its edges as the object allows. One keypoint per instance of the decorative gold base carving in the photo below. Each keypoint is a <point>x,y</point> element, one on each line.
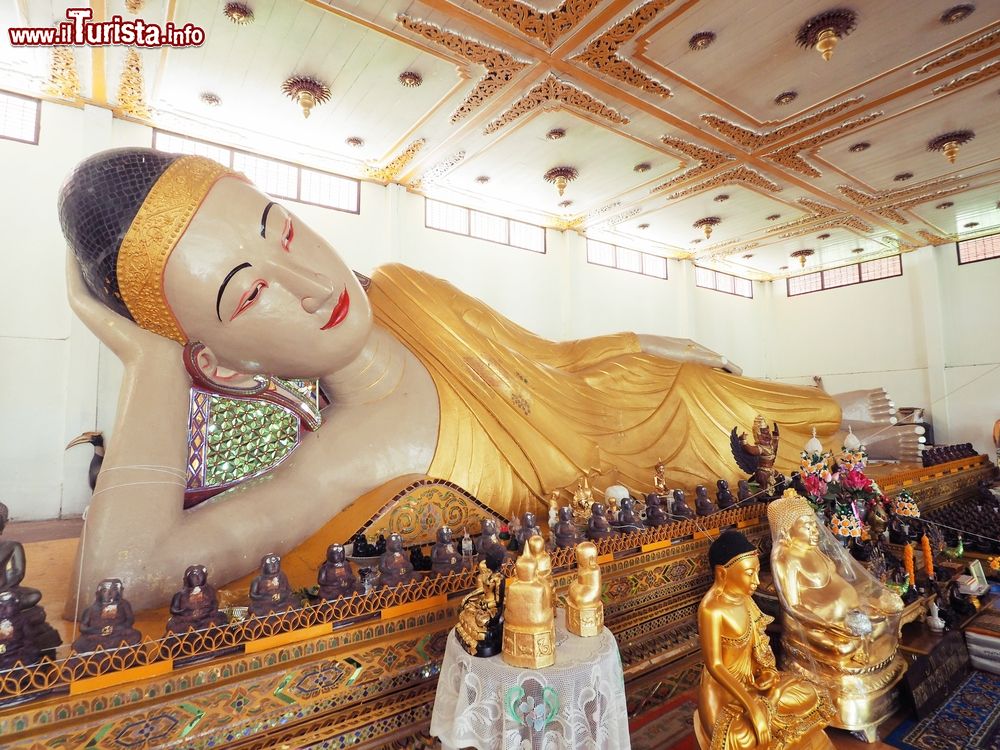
<point>586,622</point>
<point>529,648</point>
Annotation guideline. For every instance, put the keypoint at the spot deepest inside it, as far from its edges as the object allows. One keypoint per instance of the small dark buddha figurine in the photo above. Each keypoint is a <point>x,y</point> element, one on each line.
<point>628,519</point>
<point>419,560</point>
<point>723,496</point>
<point>12,569</point>
<point>655,515</point>
<point>270,591</point>
<point>703,505</point>
<point>598,526</point>
<point>489,538</point>
<point>107,623</point>
<point>743,492</point>
<point>395,566</point>
<point>528,529</point>
<point>679,507</point>
<point>195,606</point>
<point>380,544</point>
<point>336,577</point>
<point>567,535</point>
<point>15,644</point>
<point>445,558</point>
<point>362,547</point>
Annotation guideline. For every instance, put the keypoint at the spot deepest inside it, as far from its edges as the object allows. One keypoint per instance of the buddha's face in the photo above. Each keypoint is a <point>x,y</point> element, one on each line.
<point>335,553</point>
<point>743,576</point>
<point>805,529</point>
<point>269,565</point>
<point>262,291</point>
<point>394,543</point>
<point>196,576</point>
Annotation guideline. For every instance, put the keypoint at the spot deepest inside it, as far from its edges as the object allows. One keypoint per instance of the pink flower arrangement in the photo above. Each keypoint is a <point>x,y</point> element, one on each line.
<point>855,480</point>
<point>814,485</point>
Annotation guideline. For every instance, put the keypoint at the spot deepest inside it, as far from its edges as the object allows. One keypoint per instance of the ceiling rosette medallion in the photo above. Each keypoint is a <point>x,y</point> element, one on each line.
<point>389,172</point>
<point>306,91</point>
<point>545,26</point>
<point>825,31</point>
<point>501,67</point>
<point>553,90</point>
<point>950,143</point>
<point>561,177</point>
<point>602,53</point>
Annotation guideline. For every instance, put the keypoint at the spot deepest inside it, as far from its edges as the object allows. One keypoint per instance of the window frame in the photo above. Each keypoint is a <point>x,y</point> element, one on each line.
<point>297,167</point>
<point>468,215</point>
<point>38,118</point>
<point>861,280</point>
<point>958,250</point>
<point>642,255</point>
<point>715,287</point>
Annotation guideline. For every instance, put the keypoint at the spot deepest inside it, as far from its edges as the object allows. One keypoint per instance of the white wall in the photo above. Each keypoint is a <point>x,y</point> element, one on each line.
<point>924,336</point>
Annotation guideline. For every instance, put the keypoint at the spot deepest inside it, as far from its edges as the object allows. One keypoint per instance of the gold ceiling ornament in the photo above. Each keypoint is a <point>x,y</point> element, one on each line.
<point>410,79</point>
<point>64,82</point>
<point>394,167</point>
<point>701,40</point>
<point>707,224</point>
<point>735,176</point>
<point>946,204</point>
<point>438,171</point>
<point>354,141</point>
<point>569,222</point>
<point>239,13</point>
<point>888,204</point>
<point>790,156</point>
<point>483,179</point>
<point>786,97</point>
<point>824,31</point>
<point>822,217</point>
<point>903,177</point>
<point>561,177</point>
<point>134,6</point>
<point>772,217</point>
<point>552,89</point>
<point>860,146</point>
<point>824,236</point>
<point>306,91</point>
<point>802,255</point>
<point>950,143</point>
<point>935,239</point>
<point>603,209</point>
<point>858,250</point>
<point>210,99</point>
<point>986,72</point>
<point>131,97</point>
<point>641,167</point>
<point>625,215</point>
<point>730,247</point>
<point>602,53</point>
<point>957,13</point>
<point>545,26</point>
<point>752,140</point>
<point>979,44</point>
<point>556,133</point>
<point>501,67</point>
<point>707,158</point>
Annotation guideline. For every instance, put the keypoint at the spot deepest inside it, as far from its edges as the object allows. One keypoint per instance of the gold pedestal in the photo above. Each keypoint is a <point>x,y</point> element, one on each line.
<point>813,740</point>
<point>529,648</point>
<point>585,621</point>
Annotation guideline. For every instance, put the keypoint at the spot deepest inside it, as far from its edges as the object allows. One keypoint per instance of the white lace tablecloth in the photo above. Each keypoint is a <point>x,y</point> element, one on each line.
<point>576,704</point>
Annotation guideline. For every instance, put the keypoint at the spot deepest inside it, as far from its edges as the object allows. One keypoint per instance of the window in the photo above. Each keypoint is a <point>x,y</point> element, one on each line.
<point>447,217</point>
<point>275,177</point>
<point>856,273</point>
<point>636,261</point>
<point>706,278</point>
<point>20,117</point>
<point>981,248</point>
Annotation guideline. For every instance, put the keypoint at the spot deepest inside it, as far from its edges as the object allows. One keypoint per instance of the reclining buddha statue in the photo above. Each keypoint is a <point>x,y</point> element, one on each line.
<point>198,281</point>
<point>840,625</point>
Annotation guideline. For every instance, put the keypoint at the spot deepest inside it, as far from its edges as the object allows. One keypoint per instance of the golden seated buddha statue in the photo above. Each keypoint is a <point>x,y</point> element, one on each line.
<point>584,608</point>
<point>529,633</point>
<point>840,625</point>
<point>744,703</point>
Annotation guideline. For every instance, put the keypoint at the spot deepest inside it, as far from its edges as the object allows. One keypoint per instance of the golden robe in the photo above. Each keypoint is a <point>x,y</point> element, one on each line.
<point>522,416</point>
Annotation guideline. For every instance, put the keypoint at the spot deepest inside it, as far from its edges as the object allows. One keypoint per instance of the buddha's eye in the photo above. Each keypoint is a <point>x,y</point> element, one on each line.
<point>250,297</point>
<point>288,235</point>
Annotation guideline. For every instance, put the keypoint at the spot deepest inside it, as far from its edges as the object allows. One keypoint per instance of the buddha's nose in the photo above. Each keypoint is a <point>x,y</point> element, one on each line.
<point>313,289</point>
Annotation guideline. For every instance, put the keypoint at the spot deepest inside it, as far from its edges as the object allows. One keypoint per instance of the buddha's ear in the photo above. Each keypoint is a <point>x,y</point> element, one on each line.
<point>205,370</point>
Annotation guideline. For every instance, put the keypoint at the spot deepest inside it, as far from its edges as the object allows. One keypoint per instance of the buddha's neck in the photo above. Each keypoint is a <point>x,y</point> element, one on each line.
<point>373,375</point>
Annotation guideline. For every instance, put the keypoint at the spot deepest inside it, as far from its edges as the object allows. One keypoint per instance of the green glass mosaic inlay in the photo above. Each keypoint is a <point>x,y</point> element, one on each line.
<point>246,437</point>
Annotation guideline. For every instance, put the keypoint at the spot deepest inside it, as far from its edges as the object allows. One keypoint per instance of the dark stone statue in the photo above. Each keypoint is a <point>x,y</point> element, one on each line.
<point>270,591</point>
<point>598,526</point>
<point>723,496</point>
<point>628,519</point>
<point>655,515</point>
<point>336,577</point>
<point>195,606</point>
<point>567,535</point>
<point>528,529</point>
<point>702,503</point>
<point>15,644</point>
<point>490,540</point>
<point>679,507</point>
<point>445,557</point>
<point>419,560</point>
<point>395,566</point>
<point>12,568</point>
<point>107,623</point>
<point>362,547</point>
<point>743,492</point>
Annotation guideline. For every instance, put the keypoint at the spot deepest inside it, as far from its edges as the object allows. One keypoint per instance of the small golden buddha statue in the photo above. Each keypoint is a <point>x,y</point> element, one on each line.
<point>529,631</point>
<point>584,608</point>
<point>534,550</point>
<point>840,625</point>
<point>744,703</point>
<point>480,620</point>
<point>659,478</point>
<point>583,498</point>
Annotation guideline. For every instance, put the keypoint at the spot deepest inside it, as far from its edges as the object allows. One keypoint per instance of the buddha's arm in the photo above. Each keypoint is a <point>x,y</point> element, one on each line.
<point>14,573</point>
<point>685,350</point>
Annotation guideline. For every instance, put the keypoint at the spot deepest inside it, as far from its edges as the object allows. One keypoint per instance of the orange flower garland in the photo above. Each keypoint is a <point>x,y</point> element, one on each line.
<point>925,545</point>
<point>908,564</point>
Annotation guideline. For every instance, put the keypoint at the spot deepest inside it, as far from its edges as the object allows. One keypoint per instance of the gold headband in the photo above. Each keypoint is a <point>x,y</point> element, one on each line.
<point>782,513</point>
<point>751,553</point>
<point>155,231</point>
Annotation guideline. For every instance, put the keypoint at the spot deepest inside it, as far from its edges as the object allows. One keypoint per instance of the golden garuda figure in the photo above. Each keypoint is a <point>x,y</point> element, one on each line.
<point>757,458</point>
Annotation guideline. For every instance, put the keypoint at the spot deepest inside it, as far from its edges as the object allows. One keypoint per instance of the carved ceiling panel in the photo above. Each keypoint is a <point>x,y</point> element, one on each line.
<point>666,111</point>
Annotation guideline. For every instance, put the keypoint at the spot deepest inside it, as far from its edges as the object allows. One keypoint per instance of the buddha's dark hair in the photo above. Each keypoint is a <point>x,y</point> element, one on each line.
<point>729,545</point>
<point>97,205</point>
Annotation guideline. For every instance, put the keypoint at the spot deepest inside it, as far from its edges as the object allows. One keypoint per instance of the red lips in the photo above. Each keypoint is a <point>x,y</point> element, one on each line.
<point>339,311</point>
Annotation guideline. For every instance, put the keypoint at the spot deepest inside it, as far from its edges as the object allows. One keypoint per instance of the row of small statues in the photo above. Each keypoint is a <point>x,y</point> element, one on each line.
<point>942,454</point>
<point>519,621</point>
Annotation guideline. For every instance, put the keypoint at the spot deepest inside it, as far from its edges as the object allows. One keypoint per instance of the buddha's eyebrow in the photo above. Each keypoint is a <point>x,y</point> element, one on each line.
<point>222,288</point>
<point>263,219</point>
